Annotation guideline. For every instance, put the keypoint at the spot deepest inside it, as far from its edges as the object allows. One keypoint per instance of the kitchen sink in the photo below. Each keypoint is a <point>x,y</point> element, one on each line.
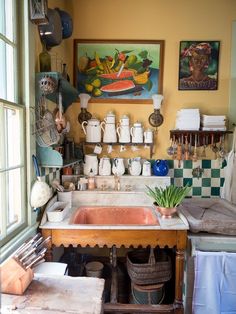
<point>114,215</point>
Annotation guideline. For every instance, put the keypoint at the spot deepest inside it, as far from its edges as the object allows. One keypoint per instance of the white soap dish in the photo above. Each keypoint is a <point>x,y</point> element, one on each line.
<point>57,211</point>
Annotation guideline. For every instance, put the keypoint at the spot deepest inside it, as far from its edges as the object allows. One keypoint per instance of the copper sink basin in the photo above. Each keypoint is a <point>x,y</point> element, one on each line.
<point>114,215</point>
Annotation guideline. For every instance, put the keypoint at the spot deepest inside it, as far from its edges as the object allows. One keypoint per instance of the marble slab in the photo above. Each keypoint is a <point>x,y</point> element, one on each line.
<point>114,198</point>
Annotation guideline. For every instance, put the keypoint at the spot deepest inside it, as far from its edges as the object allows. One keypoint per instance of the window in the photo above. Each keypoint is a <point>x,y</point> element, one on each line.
<point>12,117</point>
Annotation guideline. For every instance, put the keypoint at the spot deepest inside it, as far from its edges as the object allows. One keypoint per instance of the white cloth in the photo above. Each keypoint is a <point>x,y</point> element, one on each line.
<point>214,283</point>
<point>229,188</point>
<point>207,119</point>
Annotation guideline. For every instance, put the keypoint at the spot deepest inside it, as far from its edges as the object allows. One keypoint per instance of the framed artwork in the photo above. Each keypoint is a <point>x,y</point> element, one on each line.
<point>38,11</point>
<point>198,65</point>
<point>119,71</point>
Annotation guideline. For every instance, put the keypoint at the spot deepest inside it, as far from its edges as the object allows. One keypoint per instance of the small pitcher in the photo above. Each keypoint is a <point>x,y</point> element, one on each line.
<point>105,166</point>
<point>135,166</point>
<point>118,166</point>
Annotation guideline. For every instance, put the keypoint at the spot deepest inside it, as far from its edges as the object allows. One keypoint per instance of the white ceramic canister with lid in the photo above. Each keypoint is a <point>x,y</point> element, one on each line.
<point>109,128</point>
<point>123,130</point>
<point>137,132</point>
<point>91,162</point>
<point>92,131</point>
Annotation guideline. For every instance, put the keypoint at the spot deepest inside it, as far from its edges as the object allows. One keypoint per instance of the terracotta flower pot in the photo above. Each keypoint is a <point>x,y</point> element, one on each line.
<point>166,212</point>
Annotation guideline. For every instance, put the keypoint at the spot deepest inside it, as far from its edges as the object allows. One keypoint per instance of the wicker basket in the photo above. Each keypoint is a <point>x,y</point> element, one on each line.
<point>145,269</point>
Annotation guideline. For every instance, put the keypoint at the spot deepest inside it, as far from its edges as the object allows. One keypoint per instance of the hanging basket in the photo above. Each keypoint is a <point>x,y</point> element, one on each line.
<point>145,269</point>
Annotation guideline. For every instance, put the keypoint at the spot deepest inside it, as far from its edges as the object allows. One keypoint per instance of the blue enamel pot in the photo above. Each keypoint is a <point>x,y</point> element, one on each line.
<point>160,168</point>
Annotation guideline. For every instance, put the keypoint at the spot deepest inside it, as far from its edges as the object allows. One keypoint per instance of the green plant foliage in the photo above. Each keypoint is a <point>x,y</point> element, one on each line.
<point>168,197</point>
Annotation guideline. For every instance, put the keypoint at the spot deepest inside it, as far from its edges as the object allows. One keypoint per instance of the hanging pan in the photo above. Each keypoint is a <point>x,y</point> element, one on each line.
<point>40,192</point>
<point>51,33</point>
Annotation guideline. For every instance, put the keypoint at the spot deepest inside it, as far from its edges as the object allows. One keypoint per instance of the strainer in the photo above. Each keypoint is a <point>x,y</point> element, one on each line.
<point>47,85</point>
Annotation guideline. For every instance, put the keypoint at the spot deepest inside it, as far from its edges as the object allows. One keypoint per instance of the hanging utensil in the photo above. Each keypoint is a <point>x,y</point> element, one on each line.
<point>179,153</point>
<point>195,156</point>
<point>203,154</point>
<point>186,150</point>
<point>222,151</point>
<point>40,192</point>
<point>170,149</point>
<point>214,148</point>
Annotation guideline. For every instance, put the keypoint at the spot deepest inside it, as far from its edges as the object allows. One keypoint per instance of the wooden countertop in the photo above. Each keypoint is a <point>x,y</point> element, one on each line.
<point>57,294</point>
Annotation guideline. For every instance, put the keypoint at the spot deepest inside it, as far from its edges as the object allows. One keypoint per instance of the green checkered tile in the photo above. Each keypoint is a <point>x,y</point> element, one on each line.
<point>188,181</point>
<point>170,163</point>
<point>206,164</point>
<point>178,173</point>
<point>215,173</point>
<point>188,164</point>
<point>196,191</point>
<point>206,182</point>
<point>215,191</point>
<point>222,180</point>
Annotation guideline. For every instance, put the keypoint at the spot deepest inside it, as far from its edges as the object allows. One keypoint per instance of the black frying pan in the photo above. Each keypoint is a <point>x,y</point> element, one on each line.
<point>51,33</point>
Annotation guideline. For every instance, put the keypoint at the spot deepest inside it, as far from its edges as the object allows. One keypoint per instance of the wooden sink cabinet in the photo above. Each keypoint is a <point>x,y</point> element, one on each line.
<point>176,239</point>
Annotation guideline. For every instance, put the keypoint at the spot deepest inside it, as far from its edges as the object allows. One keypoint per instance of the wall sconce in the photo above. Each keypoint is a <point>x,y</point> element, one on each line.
<point>156,119</point>
<point>84,114</point>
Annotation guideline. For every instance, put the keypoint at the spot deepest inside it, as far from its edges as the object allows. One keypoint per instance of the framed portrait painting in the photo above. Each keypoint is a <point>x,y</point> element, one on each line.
<point>119,71</point>
<point>198,65</point>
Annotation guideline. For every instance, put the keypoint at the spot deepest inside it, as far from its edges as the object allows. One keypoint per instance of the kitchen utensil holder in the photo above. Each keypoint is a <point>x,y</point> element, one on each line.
<point>14,278</point>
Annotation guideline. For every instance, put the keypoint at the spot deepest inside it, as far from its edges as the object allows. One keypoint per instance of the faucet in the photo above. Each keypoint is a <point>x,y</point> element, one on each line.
<point>117,182</point>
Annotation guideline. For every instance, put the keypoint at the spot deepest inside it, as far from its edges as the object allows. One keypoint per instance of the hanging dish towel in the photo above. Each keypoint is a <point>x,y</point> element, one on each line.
<point>214,283</point>
<point>230,174</point>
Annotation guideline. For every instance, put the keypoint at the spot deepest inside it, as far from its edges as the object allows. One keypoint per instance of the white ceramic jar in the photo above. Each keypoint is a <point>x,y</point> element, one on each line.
<point>137,132</point>
<point>92,130</point>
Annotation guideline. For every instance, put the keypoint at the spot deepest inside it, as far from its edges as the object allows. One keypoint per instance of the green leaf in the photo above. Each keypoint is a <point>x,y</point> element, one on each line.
<point>148,85</point>
<point>171,196</point>
<point>143,54</point>
<point>126,51</point>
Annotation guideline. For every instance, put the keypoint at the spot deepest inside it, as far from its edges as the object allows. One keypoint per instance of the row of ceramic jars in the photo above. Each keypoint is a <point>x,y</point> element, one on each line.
<point>93,130</point>
<point>117,167</point>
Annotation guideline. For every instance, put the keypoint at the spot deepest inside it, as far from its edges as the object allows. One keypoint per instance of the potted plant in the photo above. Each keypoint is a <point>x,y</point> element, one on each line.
<point>167,199</point>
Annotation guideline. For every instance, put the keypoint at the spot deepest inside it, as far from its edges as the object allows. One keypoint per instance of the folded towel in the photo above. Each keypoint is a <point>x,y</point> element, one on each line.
<point>211,128</point>
<point>214,283</point>
<point>213,118</point>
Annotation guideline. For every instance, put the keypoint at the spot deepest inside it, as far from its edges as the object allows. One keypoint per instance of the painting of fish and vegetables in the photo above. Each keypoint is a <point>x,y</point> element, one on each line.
<point>119,71</point>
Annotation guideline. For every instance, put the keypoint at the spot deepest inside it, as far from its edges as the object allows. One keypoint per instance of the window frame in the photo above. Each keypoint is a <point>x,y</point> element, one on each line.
<point>20,69</point>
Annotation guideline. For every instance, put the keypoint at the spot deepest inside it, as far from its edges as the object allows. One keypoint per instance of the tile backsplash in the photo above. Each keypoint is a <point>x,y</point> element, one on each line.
<point>208,184</point>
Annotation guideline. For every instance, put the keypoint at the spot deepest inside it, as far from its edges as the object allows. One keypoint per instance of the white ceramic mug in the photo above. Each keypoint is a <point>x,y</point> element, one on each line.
<point>97,149</point>
<point>148,136</point>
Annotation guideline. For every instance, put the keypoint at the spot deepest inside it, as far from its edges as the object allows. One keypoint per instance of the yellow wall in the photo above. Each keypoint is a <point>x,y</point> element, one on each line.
<point>168,20</point>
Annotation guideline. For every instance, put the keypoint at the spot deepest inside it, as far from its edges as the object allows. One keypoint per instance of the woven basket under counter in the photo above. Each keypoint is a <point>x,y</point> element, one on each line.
<point>144,268</point>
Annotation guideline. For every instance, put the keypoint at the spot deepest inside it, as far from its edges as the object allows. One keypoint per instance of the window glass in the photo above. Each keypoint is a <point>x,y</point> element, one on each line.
<point>13,137</point>
<point>13,207</point>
